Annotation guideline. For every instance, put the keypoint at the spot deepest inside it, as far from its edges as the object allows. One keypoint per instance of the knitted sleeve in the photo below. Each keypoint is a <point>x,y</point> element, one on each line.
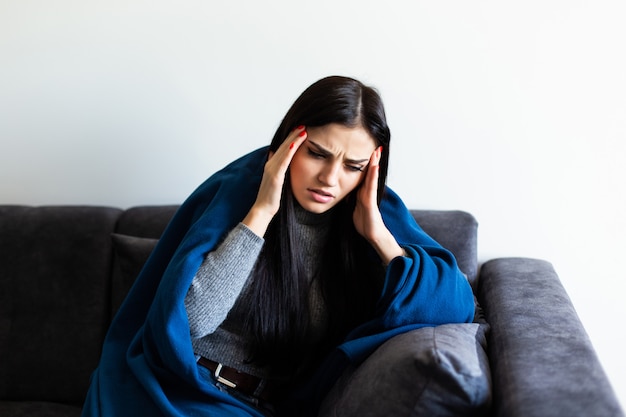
<point>220,279</point>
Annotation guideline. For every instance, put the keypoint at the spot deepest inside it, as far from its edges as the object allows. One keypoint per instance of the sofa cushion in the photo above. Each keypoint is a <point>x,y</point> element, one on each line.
<point>54,299</point>
<point>131,253</point>
<point>434,371</point>
<point>37,408</point>
<point>136,234</point>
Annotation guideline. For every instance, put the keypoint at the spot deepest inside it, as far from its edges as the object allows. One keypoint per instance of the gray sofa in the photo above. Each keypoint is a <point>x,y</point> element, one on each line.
<point>64,270</point>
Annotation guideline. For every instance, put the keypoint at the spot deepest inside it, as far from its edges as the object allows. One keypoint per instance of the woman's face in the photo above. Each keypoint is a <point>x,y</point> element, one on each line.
<point>330,163</point>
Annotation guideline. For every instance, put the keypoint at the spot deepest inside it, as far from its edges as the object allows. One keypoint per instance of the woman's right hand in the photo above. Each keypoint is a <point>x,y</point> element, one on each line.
<point>270,191</point>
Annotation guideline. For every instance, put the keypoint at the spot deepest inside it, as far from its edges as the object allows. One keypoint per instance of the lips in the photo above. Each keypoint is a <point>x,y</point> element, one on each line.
<point>320,196</point>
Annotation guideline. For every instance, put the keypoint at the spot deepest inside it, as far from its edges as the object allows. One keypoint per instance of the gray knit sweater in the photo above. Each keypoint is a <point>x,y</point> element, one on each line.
<point>218,298</point>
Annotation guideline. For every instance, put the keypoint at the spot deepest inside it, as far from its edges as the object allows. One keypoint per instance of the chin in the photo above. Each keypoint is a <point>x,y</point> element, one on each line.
<point>314,207</point>
<point>317,208</point>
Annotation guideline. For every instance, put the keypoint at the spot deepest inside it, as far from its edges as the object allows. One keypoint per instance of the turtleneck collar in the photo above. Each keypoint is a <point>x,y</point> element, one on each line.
<point>308,218</point>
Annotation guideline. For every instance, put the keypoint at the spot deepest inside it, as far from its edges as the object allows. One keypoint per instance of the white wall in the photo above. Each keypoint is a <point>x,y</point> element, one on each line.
<point>514,111</point>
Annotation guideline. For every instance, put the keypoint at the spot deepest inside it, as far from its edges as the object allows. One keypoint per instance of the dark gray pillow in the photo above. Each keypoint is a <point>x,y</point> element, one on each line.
<point>434,371</point>
<point>131,254</point>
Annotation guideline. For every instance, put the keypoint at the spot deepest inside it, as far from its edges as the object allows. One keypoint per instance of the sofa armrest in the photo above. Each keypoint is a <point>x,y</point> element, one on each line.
<point>542,361</point>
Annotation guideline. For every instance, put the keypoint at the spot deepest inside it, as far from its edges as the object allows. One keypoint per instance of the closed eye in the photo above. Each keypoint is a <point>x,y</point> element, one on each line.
<point>315,154</point>
<point>320,155</point>
<point>355,168</point>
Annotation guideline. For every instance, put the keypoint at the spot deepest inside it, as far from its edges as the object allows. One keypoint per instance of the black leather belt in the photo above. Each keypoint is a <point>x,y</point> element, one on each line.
<point>244,383</point>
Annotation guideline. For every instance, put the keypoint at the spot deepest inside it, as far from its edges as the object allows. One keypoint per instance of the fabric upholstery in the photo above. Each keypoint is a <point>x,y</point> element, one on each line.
<point>54,296</point>
<point>145,221</point>
<point>38,409</point>
<point>131,254</point>
<point>137,232</point>
<point>434,371</point>
<point>543,362</point>
<point>57,266</point>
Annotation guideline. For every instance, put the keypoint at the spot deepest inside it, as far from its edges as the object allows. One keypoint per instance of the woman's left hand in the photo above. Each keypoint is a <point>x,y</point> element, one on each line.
<point>367,218</point>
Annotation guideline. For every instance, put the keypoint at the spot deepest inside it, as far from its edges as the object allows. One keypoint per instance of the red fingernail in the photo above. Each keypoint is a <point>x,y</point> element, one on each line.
<point>292,145</point>
<point>380,148</point>
<point>302,133</point>
<point>300,127</point>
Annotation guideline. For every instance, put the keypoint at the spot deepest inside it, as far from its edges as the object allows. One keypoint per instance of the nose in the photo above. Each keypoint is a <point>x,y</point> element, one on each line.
<point>329,176</point>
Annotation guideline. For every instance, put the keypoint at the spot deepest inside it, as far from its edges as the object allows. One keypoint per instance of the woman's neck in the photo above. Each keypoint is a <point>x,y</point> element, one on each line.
<point>309,218</point>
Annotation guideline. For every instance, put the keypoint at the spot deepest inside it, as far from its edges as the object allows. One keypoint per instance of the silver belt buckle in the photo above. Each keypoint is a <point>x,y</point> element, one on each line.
<point>222,379</point>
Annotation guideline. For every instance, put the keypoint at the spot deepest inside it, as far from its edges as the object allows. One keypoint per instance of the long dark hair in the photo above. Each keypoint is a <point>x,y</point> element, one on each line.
<point>349,272</point>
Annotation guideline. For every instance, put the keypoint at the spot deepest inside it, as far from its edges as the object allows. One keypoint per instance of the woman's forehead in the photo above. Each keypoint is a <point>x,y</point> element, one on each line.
<point>353,142</point>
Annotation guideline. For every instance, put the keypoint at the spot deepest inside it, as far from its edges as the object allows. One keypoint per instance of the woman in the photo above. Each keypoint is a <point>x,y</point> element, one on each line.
<point>277,272</point>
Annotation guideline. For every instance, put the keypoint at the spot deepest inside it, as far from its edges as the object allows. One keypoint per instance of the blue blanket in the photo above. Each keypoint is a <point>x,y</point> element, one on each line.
<point>148,368</point>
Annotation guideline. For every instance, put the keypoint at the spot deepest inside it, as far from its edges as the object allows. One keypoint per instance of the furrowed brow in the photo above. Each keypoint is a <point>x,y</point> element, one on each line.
<point>320,148</point>
<point>326,152</point>
<point>357,161</point>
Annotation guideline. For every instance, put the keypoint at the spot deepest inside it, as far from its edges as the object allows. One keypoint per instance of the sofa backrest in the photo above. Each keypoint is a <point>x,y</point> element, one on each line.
<point>456,231</point>
<point>55,266</point>
<point>64,271</point>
